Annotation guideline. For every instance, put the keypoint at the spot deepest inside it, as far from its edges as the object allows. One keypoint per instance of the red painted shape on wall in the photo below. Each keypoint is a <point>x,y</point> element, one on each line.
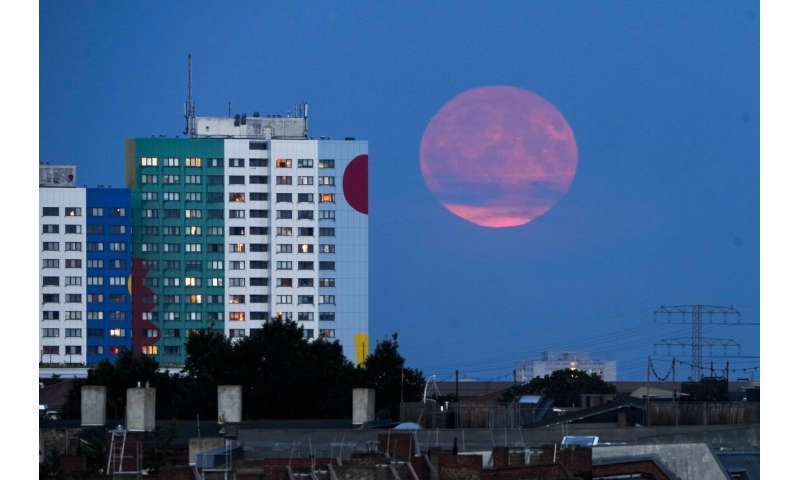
<point>356,184</point>
<point>139,291</point>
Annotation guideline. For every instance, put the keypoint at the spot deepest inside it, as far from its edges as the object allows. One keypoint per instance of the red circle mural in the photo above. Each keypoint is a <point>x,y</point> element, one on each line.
<point>356,184</point>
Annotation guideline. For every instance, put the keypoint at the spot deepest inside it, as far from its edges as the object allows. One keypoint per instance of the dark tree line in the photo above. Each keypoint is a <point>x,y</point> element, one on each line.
<point>283,376</point>
<point>564,387</point>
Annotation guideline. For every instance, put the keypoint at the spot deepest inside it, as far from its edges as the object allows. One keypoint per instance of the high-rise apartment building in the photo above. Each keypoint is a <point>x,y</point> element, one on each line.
<point>85,247</point>
<point>550,362</point>
<point>248,219</point>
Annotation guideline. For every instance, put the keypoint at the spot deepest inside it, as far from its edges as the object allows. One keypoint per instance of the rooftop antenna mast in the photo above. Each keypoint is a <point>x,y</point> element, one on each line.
<point>188,110</point>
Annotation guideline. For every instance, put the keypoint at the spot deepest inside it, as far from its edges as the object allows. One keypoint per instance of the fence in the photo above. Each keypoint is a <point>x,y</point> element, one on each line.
<point>704,413</point>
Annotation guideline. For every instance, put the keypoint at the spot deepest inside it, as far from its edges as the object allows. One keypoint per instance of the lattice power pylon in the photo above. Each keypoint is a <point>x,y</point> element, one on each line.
<point>698,316</point>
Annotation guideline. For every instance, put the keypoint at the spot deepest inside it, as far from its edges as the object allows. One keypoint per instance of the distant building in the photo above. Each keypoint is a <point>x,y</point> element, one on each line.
<point>84,266</point>
<point>527,370</point>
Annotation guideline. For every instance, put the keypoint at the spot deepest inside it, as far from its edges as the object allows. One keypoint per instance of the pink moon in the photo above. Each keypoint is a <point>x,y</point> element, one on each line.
<point>498,156</point>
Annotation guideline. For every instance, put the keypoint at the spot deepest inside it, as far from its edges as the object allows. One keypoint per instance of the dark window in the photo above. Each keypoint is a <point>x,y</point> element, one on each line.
<point>259,162</point>
<point>258,145</point>
<point>236,180</point>
<point>50,211</point>
<point>259,179</point>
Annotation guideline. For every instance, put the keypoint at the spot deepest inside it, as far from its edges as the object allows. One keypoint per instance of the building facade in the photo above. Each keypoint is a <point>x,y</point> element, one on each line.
<point>84,265</point>
<point>527,370</point>
<point>246,220</point>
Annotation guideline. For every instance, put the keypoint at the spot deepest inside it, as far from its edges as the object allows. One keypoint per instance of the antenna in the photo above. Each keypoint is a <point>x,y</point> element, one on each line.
<point>188,110</point>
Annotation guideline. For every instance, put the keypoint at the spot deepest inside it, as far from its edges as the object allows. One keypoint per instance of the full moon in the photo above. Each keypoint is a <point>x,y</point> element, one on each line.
<point>498,156</point>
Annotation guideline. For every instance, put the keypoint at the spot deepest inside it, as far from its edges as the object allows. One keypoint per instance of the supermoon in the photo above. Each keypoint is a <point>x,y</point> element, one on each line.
<point>498,156</point>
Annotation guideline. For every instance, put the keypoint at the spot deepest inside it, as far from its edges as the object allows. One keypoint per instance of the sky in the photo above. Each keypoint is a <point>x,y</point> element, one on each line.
<point>662,97</point>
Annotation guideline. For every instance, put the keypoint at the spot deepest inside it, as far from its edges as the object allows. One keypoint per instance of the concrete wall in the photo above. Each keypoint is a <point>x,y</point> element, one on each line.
<point>93,405</point>
<point>229,403</point>
<point>363,405</point>
<point>203,444</point>
<point>140,409</point>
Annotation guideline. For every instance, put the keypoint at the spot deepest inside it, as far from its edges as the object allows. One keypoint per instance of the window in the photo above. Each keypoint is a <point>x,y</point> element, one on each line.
<point>215,213</point>
<point>94,281</point>
<point>236,282</point>
<point>193,248</point>
<point>327,163</point>
<point>73,350</point>
<point>284,265</point>
<point>146,197</point>
<point>150,350</point>
<point>259,230</point>
<point>259,281</point>
<point>72,332</point>
<point>236,162</point>
<point>236,213</point>
<point>50,298</point>
<point>214,162</point>
<point>284,214</point>
<point>50,263</point>
<point>237,333</point>
<point>327,299</point>
<point>150,230</point>
<point>149,179</point>
<point>116,332</point>
<point>49,211</point>
<point>172,332</point>
<point>327,181</point>
<point>171,162</point>
<point>283,163</point>
<point>193,162</point>
<point>259,265</point>
<point>91,263</point>
<point>259,298</point>
<point>305,180</point>
<point>215,316</point>
<point>172,350</point>
<point>49,228</point>
<point>236,299</point>
<point>259,196</point>
<point>237,265</point>
<point>117,246</point>
<point>50,246</point>
<point>191,282</point>
<point>259,213</point>
<point>117,281</point>
<point>261,180</point>
<point>118,212</point>
<point>284,248</point>
<point>215,282</point>
<point>327,248</point>
<point>305,231</point>
<point>327,232</point>
<point>305,316</point>
<point>327,265</point>
<point>259,315</point>
<point>214,197</point>
<point>149,161</point>
<point>216,265</point>
<point>236,248</point>
<point>50,332</point>
<point>172,213</point>
<point>305,299</point>
<point>92,246</point>
<point>284,299</point>
<point>118,263</point>
<point>50,281</point>
<point>149,247</point>
<point>172,179</point>
<point>327,198</point>
<point>283,180</point>
<point>237,197</point>
<point>305,265</point>
<point>259,162</point>
<point>95,332</point>
<point>118,229</point>
<point>172,281</point>
<point>308,334</point>
<point>94,315</point>
<point>72,211</point>
<point>74,298</point>
<point>150,333</point>
<point>195,298</point>
<point>259,247</point>
<point>258,145</point>
<point>193,180</point>
<point>305,248</point>
<point>72,229</point>
<point>305,282</point>
<point>283,197</point>
<point>305,198</point>
<point>305,215</point>
<point>193,213</point>
<point>172,316</point>
<point>193,197</point>
<point>327,282</point>
<point>284,231</point>
<point>194,316</point>
<point>327,316</point>
<point>216,179</point>
<point>192,230</point>
<point>327,333</point>
<point>305,163</point>
<point>172,247</point>
<point>149,213</point>
<point>117,298</point>
<point>236,316</point>
<point>236,231</point>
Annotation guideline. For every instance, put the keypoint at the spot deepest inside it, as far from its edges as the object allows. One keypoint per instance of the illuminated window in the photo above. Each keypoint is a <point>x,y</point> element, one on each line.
<point>327,248</point>
<point>327,198</point>
<point>305,248</point>
<point>237,197</point>
<point>283,180</point>
<point>327,333</point>
<point>305,180</point>
<point>327,181</point>
<point>327,299</point>
<point>150,350</point>
<point>284,282</point>
<point>236,299</point>
<point>149,161</point>
<point>193,213</point>
<point>196,298</point>
<point>236,162</point>
<point>327,163</point>
<point>116,332</point>
<point>193,247</point>
<point>194,230</point>
<point>236,316</point>
<point>236,231</point>
<point>283,163</point>
<point>216,282</point>
<point>327,282</point>
<point>194,162</point>
<point>191,282</point>
<point>72,211</point>
<point>216,265</point>
<point>237,248</point>
<point>284,231</point>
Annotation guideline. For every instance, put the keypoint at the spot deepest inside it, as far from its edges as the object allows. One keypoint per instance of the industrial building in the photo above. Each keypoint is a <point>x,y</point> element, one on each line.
<point>550,362</point>
<point>85,264</point>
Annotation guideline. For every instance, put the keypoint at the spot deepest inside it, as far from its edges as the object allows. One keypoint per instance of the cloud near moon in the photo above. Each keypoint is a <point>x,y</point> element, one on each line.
<point>498,156</point>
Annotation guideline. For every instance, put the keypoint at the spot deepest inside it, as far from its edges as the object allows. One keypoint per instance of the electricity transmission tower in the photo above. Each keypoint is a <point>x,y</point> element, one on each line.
<point>699,316</point>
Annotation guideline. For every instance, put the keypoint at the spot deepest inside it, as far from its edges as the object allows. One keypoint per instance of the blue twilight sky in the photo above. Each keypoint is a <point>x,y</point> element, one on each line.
<point>663,98</point>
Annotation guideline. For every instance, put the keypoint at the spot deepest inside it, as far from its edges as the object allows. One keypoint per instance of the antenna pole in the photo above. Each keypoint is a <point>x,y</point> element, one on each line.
<point>189,111</point>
